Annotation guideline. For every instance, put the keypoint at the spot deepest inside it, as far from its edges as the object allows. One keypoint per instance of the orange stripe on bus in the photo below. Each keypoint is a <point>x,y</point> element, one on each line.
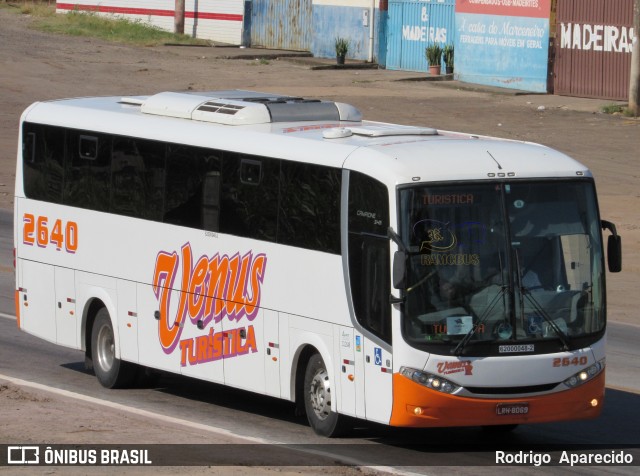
<point>17,295</point>
<point>437,409</point>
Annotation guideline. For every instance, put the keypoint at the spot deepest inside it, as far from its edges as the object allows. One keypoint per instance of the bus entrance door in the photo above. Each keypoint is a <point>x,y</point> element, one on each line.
<point>378,382</point>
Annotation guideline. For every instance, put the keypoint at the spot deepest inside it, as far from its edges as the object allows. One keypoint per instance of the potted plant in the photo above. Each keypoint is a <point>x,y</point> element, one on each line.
<point>342,46</point>
<point>433,53</point>
<point>447,52</point>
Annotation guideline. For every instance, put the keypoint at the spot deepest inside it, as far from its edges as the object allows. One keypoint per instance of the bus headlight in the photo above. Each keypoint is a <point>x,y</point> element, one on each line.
<point>585,375</point>
<point>428,380</point>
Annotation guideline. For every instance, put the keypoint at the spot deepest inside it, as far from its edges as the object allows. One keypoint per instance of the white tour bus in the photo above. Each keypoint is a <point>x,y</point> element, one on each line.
<point>396,274</point>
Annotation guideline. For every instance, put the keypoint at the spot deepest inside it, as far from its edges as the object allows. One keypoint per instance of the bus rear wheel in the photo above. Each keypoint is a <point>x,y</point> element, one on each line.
<point>318,398</point>
<point>110,371</point>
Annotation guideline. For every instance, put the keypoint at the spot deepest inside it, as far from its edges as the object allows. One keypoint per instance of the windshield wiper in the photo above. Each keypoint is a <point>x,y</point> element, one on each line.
<point>539,309</point>
<point>465,340</point>
<point>526,292</point>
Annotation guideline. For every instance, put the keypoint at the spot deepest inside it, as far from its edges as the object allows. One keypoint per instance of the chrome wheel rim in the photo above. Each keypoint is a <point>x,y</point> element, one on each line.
<point>320,394</point>
<point>106,351</point>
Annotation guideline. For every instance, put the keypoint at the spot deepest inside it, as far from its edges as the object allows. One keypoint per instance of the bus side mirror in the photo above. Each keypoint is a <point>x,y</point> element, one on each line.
<point>614,253</point>
<point>399,270</point>
<point>614,247</point>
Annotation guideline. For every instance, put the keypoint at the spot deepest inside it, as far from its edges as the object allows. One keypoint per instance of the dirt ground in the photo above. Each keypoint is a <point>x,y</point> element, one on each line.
<point>36,66</point>
<point>34,417</point>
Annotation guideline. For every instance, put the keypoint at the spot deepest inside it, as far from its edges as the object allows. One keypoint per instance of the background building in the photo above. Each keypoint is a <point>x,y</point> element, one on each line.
<point>572,47</point>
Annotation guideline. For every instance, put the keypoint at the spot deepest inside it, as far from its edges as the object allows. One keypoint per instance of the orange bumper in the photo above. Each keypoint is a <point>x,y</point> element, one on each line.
<point>437,409</point>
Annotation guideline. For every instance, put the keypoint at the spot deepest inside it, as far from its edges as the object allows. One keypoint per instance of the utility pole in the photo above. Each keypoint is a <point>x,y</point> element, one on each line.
<point>178,18</point>
<point>634,80</point>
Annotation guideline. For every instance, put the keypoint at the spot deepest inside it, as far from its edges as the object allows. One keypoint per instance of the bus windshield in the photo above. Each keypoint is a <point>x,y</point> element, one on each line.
<point>502,262</point>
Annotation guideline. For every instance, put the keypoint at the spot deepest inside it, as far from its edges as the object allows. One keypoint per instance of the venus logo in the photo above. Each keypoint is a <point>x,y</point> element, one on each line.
<point>211,289</point>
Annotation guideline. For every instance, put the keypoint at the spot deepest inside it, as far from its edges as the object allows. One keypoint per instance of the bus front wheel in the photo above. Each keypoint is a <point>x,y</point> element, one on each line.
<point>318,398</point>
<point>110,371</point>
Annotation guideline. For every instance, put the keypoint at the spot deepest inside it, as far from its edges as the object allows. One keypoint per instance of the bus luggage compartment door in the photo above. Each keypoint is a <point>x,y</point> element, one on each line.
<point>36,299</point>
<point>66,318</point>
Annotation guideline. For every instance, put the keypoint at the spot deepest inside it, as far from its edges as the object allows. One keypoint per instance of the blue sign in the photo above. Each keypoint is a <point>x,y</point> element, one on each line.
<point>506,51</point>
<point>534,324</point>
<point>377,352</point>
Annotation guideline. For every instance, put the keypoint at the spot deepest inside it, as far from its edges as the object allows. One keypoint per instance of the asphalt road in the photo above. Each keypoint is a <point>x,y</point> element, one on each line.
<point>244,414</point>
<point>37,66</point>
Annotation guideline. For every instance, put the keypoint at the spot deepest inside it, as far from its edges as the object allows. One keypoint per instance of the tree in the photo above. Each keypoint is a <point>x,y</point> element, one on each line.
<point>178,19</point>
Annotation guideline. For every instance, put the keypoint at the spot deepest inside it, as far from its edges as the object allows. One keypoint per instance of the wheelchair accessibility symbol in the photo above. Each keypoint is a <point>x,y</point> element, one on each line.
<point>377,355</point>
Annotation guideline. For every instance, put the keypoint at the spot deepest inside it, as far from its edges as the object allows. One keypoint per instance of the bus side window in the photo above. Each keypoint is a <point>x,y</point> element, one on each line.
<point>309,211</point>
<point>187,169</point>
<point>32,168</point>
<point>369,263</point>
<point>43,161</point>
<point>88,169</point>
<point>137,177</point>
<point>29,147</point>
<point>211,202</point>
<point>249,198</point>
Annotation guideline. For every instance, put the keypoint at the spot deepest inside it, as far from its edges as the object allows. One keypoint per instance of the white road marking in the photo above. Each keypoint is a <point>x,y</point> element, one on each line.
<point>133,410</point>
<point>190,424</point>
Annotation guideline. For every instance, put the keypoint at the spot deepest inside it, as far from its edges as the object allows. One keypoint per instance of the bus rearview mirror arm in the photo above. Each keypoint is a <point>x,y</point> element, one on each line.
<point>393,236</point>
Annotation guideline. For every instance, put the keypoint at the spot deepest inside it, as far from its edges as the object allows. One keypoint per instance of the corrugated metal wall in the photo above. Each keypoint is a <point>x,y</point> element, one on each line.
<point>218,20</point>
<point>412,25</point>
<point>593,48</point>
<point>282,24</point>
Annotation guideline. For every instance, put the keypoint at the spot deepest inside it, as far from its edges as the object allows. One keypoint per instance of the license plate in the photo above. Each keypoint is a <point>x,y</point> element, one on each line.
<point>512,409</point>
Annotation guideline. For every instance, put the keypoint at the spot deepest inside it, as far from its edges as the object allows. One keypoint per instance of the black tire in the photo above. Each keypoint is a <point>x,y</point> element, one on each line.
<point>317,400</point>
<point>110,371</point>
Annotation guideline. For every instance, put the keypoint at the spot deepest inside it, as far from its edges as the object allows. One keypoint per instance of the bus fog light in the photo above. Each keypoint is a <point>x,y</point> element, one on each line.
<point>585,375</point>
<point>594,402</point>
<point>417,411</point>
<point>428,380</point>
